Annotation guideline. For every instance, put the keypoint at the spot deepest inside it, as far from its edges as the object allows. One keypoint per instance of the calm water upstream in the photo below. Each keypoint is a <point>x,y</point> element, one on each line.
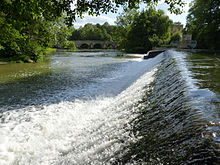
<point>96,108</point>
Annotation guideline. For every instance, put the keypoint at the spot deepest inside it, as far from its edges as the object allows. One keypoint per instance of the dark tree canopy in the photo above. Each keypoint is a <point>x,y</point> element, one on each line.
<point>49,9</point>
<point>140,31</point>
<point>203,22</point>
<point>96,7</point>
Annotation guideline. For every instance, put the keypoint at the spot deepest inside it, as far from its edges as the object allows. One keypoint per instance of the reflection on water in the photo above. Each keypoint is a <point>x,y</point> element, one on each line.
<point>205,68</point>
<point>14,72</point>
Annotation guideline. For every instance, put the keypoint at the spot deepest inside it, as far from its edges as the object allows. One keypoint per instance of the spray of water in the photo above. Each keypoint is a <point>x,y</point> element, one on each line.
<point>72,132</point>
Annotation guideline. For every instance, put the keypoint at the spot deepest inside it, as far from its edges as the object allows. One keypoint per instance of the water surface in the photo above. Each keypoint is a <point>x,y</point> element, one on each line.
<point>97,108</point>
<point>206,70</point>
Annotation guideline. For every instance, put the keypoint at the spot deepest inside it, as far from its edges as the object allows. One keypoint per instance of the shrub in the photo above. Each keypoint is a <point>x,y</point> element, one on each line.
<point>70,45</point>
<point>176,37</point>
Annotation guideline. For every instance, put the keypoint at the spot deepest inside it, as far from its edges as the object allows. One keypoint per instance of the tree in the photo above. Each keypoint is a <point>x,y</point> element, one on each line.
<point>177,23</point>
<point>95,7</point>
<point>203,23</point>
<point>176,37</point>
<point>123,22</point>
<point>26,23</point>
<point>49,9</point>
<point>126,18</point>
<point>61,32</point>
<point>25,29</point>
<point>23,42</point>
<point>147,29</point>
<point>103,32</point>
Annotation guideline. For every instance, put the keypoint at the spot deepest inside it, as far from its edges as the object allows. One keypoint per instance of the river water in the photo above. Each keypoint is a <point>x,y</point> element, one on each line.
<point>101,108</point>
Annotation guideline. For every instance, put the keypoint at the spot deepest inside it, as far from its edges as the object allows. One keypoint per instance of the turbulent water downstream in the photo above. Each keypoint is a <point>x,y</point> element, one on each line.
<point>96,108</point>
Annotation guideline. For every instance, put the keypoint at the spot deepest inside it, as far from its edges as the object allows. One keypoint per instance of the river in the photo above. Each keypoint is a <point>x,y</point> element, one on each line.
<point>105,108</point>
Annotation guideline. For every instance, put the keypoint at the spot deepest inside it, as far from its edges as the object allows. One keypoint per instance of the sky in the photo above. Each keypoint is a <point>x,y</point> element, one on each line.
<point>111,17</point>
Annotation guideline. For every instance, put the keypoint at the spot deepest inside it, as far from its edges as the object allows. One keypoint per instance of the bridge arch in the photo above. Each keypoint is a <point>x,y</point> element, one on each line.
<point>84,46</point>
<point>95,44</point>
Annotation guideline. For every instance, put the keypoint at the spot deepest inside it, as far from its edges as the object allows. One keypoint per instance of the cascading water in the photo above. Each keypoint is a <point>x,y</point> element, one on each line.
<point>104,110</point>
<point>177,122</point>
<point>87,123</point>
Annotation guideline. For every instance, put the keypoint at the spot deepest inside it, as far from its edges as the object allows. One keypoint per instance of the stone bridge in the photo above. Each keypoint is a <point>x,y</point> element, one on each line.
<point>95,44</point>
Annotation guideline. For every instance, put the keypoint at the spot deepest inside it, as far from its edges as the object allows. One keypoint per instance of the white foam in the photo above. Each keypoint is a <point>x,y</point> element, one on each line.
<point>187,76</point>
<point>79,132</point>
<point>201,99</point>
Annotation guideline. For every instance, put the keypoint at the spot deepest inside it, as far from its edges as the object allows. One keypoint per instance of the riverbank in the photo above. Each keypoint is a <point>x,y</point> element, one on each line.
<point>188,50</point>
<point>3,63</point>
<point>49,51</point>
<point>199,50</point>
<point>24,59</point>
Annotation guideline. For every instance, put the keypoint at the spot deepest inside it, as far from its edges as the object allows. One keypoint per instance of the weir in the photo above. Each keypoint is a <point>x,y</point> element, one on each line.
<point>152,53</point>
<point>172,124</point>
<point>154,115</point>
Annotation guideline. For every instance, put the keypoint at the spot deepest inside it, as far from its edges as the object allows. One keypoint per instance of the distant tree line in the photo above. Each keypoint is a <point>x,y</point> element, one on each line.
<point>89,31</point>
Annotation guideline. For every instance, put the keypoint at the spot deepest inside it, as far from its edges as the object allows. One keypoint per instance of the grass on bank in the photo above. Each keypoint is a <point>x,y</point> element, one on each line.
<point>49,51</point>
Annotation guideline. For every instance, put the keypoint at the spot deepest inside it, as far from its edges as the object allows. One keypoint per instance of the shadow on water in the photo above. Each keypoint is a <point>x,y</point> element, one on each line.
<point>171,128</point>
